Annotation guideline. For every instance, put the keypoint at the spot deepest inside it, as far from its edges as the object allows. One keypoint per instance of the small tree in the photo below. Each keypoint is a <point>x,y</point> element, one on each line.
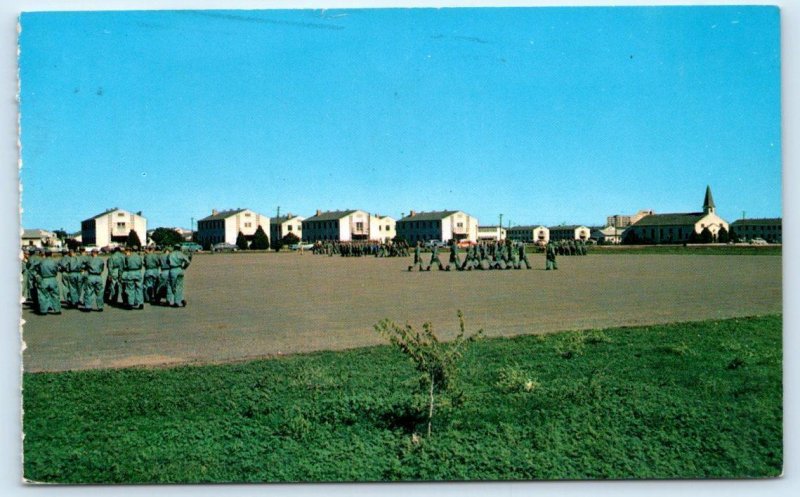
<point>290,239</point>
<point>166,237</point>
<point>706,236</point>
<point>722,235</point>
<point>260,240</point>
<point>436,360</point>
<point>241,241</point>
<point>133,239</point>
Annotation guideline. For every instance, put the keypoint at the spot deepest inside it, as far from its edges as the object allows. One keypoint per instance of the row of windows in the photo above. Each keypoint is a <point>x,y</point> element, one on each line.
<point>321,225</point>
<point>421,225</point>
<point>210,225</point>
<point>758,228</point>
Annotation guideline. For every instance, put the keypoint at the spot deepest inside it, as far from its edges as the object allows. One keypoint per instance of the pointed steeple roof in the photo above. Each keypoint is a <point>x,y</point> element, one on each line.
<point>708,202</point>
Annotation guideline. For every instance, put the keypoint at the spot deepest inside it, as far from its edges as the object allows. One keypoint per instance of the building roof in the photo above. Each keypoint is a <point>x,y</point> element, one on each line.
<point>37,233</point>
<point>113,209</point>
<point>429,216</point>
<point>676,219</point>
<point>330,215</point>
<point>222,214</point>
<point>527,227</point>
<point>764,221</point>
<point>708,201</point>
<point>282,219</point>
<point>567,227</point>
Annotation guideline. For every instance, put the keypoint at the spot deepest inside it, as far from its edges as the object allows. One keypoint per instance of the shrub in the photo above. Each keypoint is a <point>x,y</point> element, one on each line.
<point>260,240</point>
<point>241,241</point>
<point>436,360</point>
<point>513,379</point>
<point>133,239</point>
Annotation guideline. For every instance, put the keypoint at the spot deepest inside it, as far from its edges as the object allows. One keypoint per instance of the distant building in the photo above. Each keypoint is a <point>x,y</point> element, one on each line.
<point>224,226</point>
<point>495,233</point>
<point>529,234</point>
<point>40,239</point>
<point>607,235</point>
<point>283,225</point>
<point>769,229</point>
<point>113,227</point>
<point>185,234</point>
<point>570,232</point>
<point>677,228</point>
<point>438,225</point>
<point>382,228</point>
<point>343,226</point>
<point>623,221</point>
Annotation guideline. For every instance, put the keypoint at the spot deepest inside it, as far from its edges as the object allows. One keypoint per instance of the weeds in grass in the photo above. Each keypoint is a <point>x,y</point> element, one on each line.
<point>514,379</point>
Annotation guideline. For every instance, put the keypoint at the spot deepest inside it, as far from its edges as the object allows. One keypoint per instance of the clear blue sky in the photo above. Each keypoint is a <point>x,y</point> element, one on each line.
<point>546,115</point>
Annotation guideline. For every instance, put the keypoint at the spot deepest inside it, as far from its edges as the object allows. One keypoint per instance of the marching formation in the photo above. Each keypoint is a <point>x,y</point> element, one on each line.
<point>132,278</point>
<point>361,249</point>
<point>483,256</point>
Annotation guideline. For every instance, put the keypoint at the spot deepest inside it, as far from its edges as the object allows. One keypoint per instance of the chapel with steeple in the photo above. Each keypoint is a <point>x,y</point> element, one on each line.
<point>678,227</point>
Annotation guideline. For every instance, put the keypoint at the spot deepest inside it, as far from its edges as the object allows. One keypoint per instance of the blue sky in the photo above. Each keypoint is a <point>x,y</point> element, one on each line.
<point>546,115</point>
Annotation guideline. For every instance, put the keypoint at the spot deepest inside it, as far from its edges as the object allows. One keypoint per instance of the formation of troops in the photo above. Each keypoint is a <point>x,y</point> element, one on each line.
<point>361,249</point>
<point>132,278</point>
<point>482,256</point>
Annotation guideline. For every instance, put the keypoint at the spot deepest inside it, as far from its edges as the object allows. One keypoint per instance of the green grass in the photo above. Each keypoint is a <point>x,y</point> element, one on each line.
<point>687,250</point>
<point>690,400</point>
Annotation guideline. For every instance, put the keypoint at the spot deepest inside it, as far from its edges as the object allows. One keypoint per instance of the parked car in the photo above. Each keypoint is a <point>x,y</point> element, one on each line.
<point>466,243</point>
<point>758,241</point>
<point>191,247</point>
<point>304,246</point>
<point>435,243</point>
<point>224,247</point>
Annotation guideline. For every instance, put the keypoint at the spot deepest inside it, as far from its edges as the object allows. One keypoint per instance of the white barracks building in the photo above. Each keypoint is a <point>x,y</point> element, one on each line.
<point>224,226</point>
<point>438,225</point>
<point>113,227</point>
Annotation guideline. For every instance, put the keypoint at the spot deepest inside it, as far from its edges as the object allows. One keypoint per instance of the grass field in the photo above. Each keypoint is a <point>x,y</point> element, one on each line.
<point>690,400</point>
<point>716,249</point>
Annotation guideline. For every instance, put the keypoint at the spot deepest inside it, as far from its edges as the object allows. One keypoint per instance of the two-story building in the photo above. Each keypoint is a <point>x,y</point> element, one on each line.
<point>224,226</point>
<point>438,225</point>
<point>382,228</point>
<point>539,235</point>
<point>569,232</point>
<point>343,226</point>
<point>283,225</point>
<point>768,229</point>
<point>112,227</point>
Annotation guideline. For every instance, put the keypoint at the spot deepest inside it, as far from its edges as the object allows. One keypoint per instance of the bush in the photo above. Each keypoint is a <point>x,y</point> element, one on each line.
<point>166,237</point>
<point>260,240</point>
<point>133,239</point>
<point>241,241</point>
<point>436,360</point>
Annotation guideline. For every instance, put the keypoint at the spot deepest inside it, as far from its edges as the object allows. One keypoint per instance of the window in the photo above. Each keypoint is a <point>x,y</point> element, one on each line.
<point>248,225</point>
<point>289,227</point>
<point>246,214</point>
<point>120,214</point>
<point>120,225</point>
<point>460,225</point>
<point>359,226</point>
<point>387,227</point>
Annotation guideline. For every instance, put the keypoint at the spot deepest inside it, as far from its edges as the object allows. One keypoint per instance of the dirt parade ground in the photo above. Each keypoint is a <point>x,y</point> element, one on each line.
<point>246,306</point>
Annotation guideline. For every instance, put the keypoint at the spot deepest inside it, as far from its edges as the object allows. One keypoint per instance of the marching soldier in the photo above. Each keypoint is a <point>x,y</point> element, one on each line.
<point>551,257</point>
<point>93,290</point>
<point>417,257</point>
<point>47,285</point>
<point>178,262</point>
<point>523,257</point>
<point>435,258</point>
<point>453,260</point>
<point>70,268</point>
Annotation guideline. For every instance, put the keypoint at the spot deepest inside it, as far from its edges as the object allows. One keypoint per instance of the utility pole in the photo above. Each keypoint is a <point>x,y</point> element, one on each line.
<point>279,211</point>
<point>191,227</point>
<point>744,214</point>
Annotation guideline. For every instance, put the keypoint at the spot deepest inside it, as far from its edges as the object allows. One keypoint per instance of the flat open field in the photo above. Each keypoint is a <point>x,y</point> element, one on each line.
<point>244,306</point>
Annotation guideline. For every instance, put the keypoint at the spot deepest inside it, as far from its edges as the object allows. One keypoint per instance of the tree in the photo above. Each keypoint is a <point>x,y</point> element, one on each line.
<point>436,360</point>
<point>260,240</point>
<point>706,236</point>
<point>722,235</point>
<point>166,237</point>
<point>133,239</point>
<point>288,240</point>
<point>241,241</point>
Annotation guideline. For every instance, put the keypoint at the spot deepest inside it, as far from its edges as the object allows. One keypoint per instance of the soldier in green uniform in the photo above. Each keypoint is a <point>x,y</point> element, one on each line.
<point>551,257</point>
<point>178,262</point>
<point>132,279</point>
<point>93,290</point>
<point>453,260</point>
<point>417,257</point>
<point>31,262</point>
<point>152,270</point>
<point>163,290</point>
<point>47,285</point>
<point>523,257</point>
<point>435,258</point>
<point>115,264</point>
<point>71,266</point>
<point>66,280</point>
<point>83,258</point>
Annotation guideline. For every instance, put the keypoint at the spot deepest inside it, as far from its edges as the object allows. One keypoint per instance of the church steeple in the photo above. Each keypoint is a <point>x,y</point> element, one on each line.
<point>708,202</point>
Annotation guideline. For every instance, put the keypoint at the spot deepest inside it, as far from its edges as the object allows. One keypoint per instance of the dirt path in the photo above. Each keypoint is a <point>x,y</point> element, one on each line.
<point>254,305</point>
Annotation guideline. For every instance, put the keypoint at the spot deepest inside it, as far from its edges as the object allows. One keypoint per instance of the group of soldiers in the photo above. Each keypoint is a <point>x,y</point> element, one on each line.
<point>483,256</point>
<point>134,277</point>
<point>569,247</point>
<point>361,249</point>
